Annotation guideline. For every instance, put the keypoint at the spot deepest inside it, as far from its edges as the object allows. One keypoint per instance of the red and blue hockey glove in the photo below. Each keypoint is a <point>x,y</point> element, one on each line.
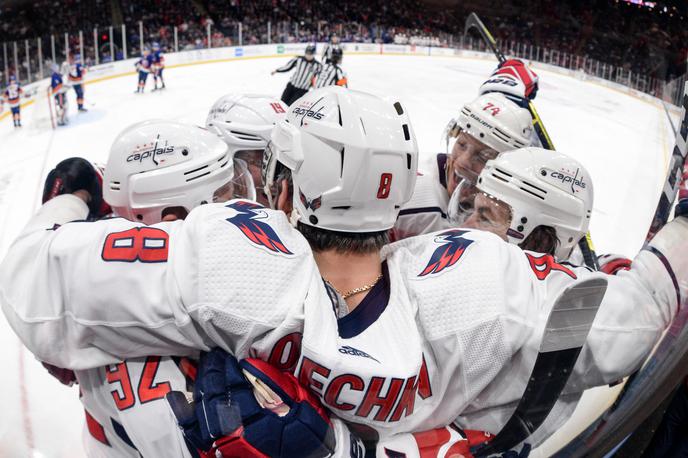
<point>75,174</point>
<point>514,79</point>
<point>447,442</point>
<point>249,408</point>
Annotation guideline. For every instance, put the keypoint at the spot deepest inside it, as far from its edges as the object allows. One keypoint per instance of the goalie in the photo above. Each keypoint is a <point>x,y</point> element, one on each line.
<point>58,91</point>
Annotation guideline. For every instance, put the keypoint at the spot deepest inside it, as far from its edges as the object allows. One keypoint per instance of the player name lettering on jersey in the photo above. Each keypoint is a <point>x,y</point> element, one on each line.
<point>394,397</point>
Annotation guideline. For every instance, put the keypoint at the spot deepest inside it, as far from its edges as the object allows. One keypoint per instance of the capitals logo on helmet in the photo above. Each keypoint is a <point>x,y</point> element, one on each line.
<point>448,254</point>
<point>313,204</point>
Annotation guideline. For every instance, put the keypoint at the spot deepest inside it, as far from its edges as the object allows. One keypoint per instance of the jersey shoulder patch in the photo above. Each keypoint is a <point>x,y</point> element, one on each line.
<point>251,220</point>
<point>450,250</point>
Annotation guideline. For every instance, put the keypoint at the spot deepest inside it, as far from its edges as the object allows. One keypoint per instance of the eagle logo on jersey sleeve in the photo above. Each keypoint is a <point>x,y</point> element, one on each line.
<point>249,220</point>
<point>448,253</point>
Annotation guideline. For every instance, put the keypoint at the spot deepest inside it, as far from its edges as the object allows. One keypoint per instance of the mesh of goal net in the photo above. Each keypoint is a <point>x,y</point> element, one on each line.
<point>43,115</point>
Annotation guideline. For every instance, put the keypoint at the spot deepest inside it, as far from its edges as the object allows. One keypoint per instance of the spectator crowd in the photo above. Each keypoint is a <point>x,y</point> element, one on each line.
<point>649,41</point>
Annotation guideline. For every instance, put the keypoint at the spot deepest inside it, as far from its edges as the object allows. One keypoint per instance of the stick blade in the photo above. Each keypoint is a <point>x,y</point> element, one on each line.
<point>572,315</point>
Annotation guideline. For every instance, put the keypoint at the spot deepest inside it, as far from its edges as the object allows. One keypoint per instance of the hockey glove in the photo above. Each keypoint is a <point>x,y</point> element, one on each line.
<point>64,376</point>
<point>514,79</point>
<point>72,175</point>
<point>613,263</point>
<point>249,408</point>
<point>447,442</point>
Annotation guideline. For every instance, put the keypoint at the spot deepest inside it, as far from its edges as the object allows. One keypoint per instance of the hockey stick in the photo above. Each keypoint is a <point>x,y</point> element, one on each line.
<point>474,22</point>
<point>565,334</point>
<point>673,180</point>
<point>615,424</point>
<point>666,199</point>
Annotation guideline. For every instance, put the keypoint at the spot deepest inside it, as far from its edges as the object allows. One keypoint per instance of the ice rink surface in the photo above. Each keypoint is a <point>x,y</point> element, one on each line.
<point>623,141</point>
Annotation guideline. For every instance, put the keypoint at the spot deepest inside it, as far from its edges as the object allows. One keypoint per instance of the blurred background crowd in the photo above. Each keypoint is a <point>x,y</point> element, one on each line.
<point>649,39</point>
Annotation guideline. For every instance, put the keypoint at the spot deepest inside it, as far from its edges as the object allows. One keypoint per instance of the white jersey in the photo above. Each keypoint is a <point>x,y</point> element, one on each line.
<point>427,210</point>
<point>126,411</point>
<point>450,334</point>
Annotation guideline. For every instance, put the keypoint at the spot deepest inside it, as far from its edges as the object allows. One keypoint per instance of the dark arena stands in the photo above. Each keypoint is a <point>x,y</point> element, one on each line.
<point>641,44</point>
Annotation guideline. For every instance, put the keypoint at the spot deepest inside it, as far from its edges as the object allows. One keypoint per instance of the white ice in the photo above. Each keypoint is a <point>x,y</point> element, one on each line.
<point>622,140</point>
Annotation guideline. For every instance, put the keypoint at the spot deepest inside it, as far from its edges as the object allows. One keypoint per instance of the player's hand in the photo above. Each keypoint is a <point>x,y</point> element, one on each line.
<point>512,78</point>
<point>240,408</point>
<point>64,376</point>
<point>77,175</point>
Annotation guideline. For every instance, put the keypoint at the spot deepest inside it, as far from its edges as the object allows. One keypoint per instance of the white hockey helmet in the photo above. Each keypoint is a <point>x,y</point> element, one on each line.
<point>494,120</point>
<point>353,158</point>
<point>245,121</point>
<point>532,187</point>
<point>154,165</point>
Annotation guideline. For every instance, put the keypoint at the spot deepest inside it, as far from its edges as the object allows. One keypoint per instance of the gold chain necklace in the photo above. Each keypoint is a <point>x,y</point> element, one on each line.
<point>360,289</point>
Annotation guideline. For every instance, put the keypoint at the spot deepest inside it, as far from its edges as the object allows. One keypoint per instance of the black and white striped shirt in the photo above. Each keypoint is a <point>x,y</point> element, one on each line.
<point>330,75</point>
<point>327,52</point>
<point>305,71</point>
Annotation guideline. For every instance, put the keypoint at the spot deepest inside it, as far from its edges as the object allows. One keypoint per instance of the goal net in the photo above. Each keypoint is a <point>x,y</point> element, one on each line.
<point>44,115</point>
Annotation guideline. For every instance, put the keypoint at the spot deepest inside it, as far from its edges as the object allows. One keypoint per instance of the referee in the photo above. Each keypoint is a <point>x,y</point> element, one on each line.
<point>306,68</point>
<point>331,74</point>
<point>331,46</point>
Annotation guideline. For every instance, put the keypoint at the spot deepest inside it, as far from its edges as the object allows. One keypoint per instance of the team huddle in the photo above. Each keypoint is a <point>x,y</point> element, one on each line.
<point>284,282</point>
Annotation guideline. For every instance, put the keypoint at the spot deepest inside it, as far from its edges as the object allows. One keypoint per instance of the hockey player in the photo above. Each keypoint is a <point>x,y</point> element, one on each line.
<point>393,339</point>
<point>158,65</point>
<point>12,96</point>
<point>143,66</point>
<point>330,48</point>
<point>484,128</point>
<point>331,73</point>
<point>305,68</point>
<point>58,91</point>
<point>135,423</point>
<point>76,78</point>
<point>244,122</point>
<point>531,198</point>
<point>494,122</point>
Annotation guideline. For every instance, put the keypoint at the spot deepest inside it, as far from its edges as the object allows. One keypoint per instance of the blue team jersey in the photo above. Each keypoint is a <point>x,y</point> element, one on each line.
<point>144,63</point>
<point>158,58</point>
<point>76,73</point>
<point>56,82</point>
